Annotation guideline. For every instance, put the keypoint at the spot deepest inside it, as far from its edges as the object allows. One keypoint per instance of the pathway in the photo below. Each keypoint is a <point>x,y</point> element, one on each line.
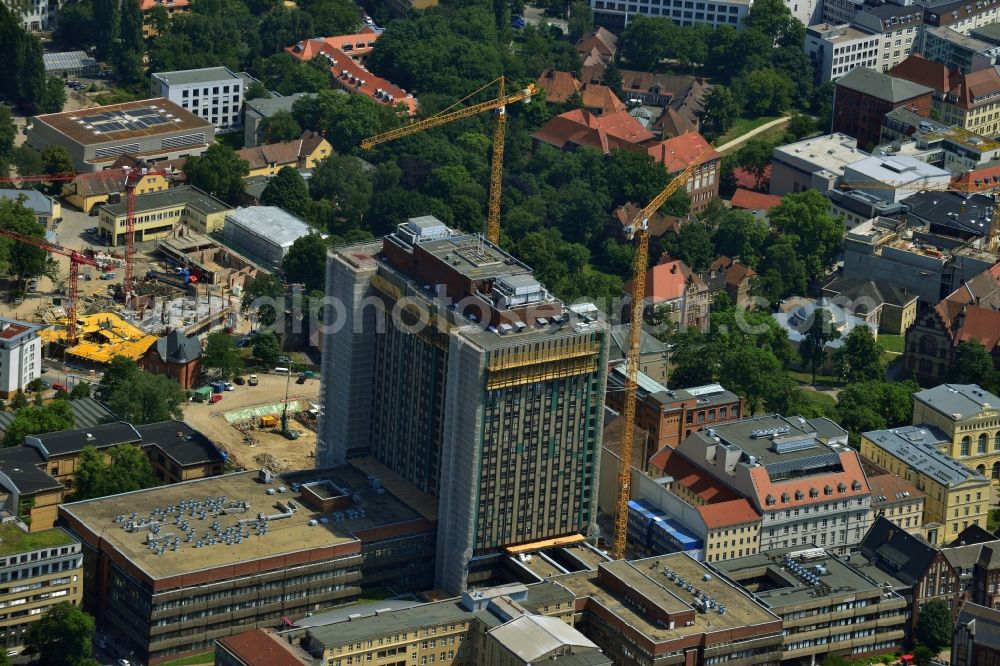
<point>740,140</point>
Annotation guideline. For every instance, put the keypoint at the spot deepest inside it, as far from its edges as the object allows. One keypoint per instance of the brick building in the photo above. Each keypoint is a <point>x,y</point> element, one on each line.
<point>863,96</point>
<point>976,641</point>
<point>175,355</point>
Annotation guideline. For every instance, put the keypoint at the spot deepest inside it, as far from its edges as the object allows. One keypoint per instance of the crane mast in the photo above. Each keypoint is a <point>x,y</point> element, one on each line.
<point>638,231</point>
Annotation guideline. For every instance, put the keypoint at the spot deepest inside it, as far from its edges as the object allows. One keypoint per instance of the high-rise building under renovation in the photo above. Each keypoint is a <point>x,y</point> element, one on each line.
<point>452,365</point>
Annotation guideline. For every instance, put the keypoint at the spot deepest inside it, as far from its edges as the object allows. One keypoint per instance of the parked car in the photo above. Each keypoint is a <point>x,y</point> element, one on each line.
<point>301,379</point>
<point>239,381</point>
<point>230,387</point>
<point>252,381</point>
<point>216,397</point>
<point>58,387</point>
<point>518,21</point>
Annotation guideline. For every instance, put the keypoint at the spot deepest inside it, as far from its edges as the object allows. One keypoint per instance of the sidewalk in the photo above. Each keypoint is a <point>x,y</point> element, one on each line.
<point>740,140</point>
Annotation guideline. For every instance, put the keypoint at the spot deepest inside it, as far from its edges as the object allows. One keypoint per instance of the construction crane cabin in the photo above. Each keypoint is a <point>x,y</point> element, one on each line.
<point>638,231</point>
<point>499,105</point>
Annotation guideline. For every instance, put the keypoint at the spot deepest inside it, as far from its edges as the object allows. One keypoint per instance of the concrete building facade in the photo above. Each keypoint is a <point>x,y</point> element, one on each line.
<point>213,93</point>
<point>863,96</point>
<point>515,465</point>
<point>967,415</point>
<point>615,15</point>
<point>263,233</point>
<point>816,164</point>
<point>20,356</point>
<point>837,49</point>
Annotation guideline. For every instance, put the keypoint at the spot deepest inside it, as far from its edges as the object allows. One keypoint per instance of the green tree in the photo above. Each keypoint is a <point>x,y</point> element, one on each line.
<point>52,96</point>
<point>22,260</point>
<point>57,160</point>
<point>302,265</point>
<point>333,17</point>
<point>343,180</point>
<point>282,126</point>
<point>721,109</point>
<point>22,79</point>
<point>973,365</point>
<point>581,19</point>
<point>763,92</point>
<point>861,358</point>
<point>344,119</point>
<point>128,53</point>
<point>220,172</point>
<point>61,637</point>
<point>261,296</point>
<point>148,398</point>
<point>258,90</point>
<point>802,126</point>
<point>27,161</point>
<point>741,234</point>
<point>125,468</point>
<point>755,158</point>
<point>158,18</point>
<point>37,419</point>
<point>781,272</point>
<point>774,19</point>
<point>287,190</point>
<point>221,354</point>
<point>934,625</point>
<point>19,401</point>
<point>266,348</point>
<point>8,132</point>
<point>80,390</point>
<point>692,245</point>
<point>106,26</point>
<point>282,27</point>
<point>817,235</point>
<point>118,373</point>
<point>923,655</point>
<point>76,25</point>
<point>812,348</point>
<point>875,405</point>
<point>754,373</point>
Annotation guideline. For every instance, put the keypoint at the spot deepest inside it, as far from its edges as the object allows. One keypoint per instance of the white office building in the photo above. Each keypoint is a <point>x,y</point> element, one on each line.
<point>264,233</point>
<point>214,93</point>
<point>20,355</point>
<point>895,178</point>
<point>616,15</point>
<point>837,49</point>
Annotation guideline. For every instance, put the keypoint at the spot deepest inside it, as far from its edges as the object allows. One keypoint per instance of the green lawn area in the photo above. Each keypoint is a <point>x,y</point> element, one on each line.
<point>233,139</point>
<point>206,658</point>
<point>825,402</point>
<point>17,541</point>
<point>741,127</point>
<point>892,343</point>
<point>806,378</point>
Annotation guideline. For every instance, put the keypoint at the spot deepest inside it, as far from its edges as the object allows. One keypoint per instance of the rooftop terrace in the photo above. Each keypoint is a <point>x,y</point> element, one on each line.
<point>14,540</point>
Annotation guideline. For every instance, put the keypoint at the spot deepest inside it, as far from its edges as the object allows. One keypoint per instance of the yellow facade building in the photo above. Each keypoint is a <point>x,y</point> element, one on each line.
<point>955,497</point>
<point>157,214</point>
<point>94,189</point>
<point>302,153</point>
<point>968,416</point>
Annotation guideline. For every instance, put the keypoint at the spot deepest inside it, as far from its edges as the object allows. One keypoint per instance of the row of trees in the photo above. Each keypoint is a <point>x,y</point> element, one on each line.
<point>23,81</point>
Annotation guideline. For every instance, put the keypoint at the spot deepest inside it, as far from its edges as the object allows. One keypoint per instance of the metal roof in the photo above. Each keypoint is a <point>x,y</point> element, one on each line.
<point>32,199</point>
<point>276,225</point>
<point>916,446</point>
<point>533,637</point>
<point>66,60</point>
<point>192,76</point>
<point>881,85</point>
<point>958,401</point>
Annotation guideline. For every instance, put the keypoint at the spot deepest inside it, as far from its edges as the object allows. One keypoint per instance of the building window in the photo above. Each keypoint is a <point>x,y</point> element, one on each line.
<point>966,446</point>
<point>982,444</point>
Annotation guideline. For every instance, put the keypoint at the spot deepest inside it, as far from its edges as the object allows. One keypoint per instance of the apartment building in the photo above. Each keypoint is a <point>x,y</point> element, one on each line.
<point>37,15</point>
<point>898,26</point>
<point>957,51</point>
<point>826,605</point>
<point>799,474</point>
<point>956,497</point>
<point>213,93</point>
<point>837,49</point>
<point>20,355</point>
<point>897,501</point>
<point>961,15</point>
<point>157,213</point>
<point>675,294</point>
<point>971,101</point>
<point>37,571</point>
<point>967,415</point>
<point>975,639</point>
<point>515,465</point>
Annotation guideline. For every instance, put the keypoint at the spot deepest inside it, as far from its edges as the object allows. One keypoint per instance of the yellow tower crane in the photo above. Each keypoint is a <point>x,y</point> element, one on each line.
<point>638,230</point>
<point>496,168</point>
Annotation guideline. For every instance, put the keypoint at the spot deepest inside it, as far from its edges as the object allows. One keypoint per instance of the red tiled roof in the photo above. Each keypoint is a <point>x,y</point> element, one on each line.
<point>754,200</point>
<point>677,153</point>
<point>722,506</point>
<point>12,331</point>
<point>735,271</point>
<point>283,153</point>
<point>258,647</point>
<point>984,179</point>
<point>605,41</point>
<point>605,133</point>
<point>668,280</point>
<point>981,325</point>
<point>723,514</point>
<point>889,486</point>
<point>596,96</point>
<point>778,490</point>
<point>558,86</point>
<point>925,72</point>
<point>350,74</point>
<point>970,90</point>
<point>659,223</point>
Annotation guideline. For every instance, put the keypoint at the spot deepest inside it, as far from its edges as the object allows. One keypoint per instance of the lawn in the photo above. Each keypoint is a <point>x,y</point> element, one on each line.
<point>806,378</point>
<point>893,344</point>
<point>741,127</point>
<point>14,540</point>
<point>204,658</point>
<point>825,402</point>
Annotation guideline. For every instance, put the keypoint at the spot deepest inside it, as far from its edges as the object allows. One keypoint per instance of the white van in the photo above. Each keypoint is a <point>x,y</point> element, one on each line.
<point>281,371</point>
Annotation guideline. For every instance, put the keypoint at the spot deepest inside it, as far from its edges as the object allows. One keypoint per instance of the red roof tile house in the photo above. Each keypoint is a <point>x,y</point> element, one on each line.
<point>754,201</point>
<point>676,294</point>
<point>971,101</point>
<point>346,54</point>
<point>172,7</point>
<point>971,312</point>
<point>560,87</point>
<point>658,223</point>
<point>677,153</point>
<point>601,42</point>
<point>732,276</point>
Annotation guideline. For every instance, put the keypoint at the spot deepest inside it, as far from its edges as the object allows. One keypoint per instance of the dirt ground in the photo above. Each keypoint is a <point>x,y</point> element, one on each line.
<point>289,454</point>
